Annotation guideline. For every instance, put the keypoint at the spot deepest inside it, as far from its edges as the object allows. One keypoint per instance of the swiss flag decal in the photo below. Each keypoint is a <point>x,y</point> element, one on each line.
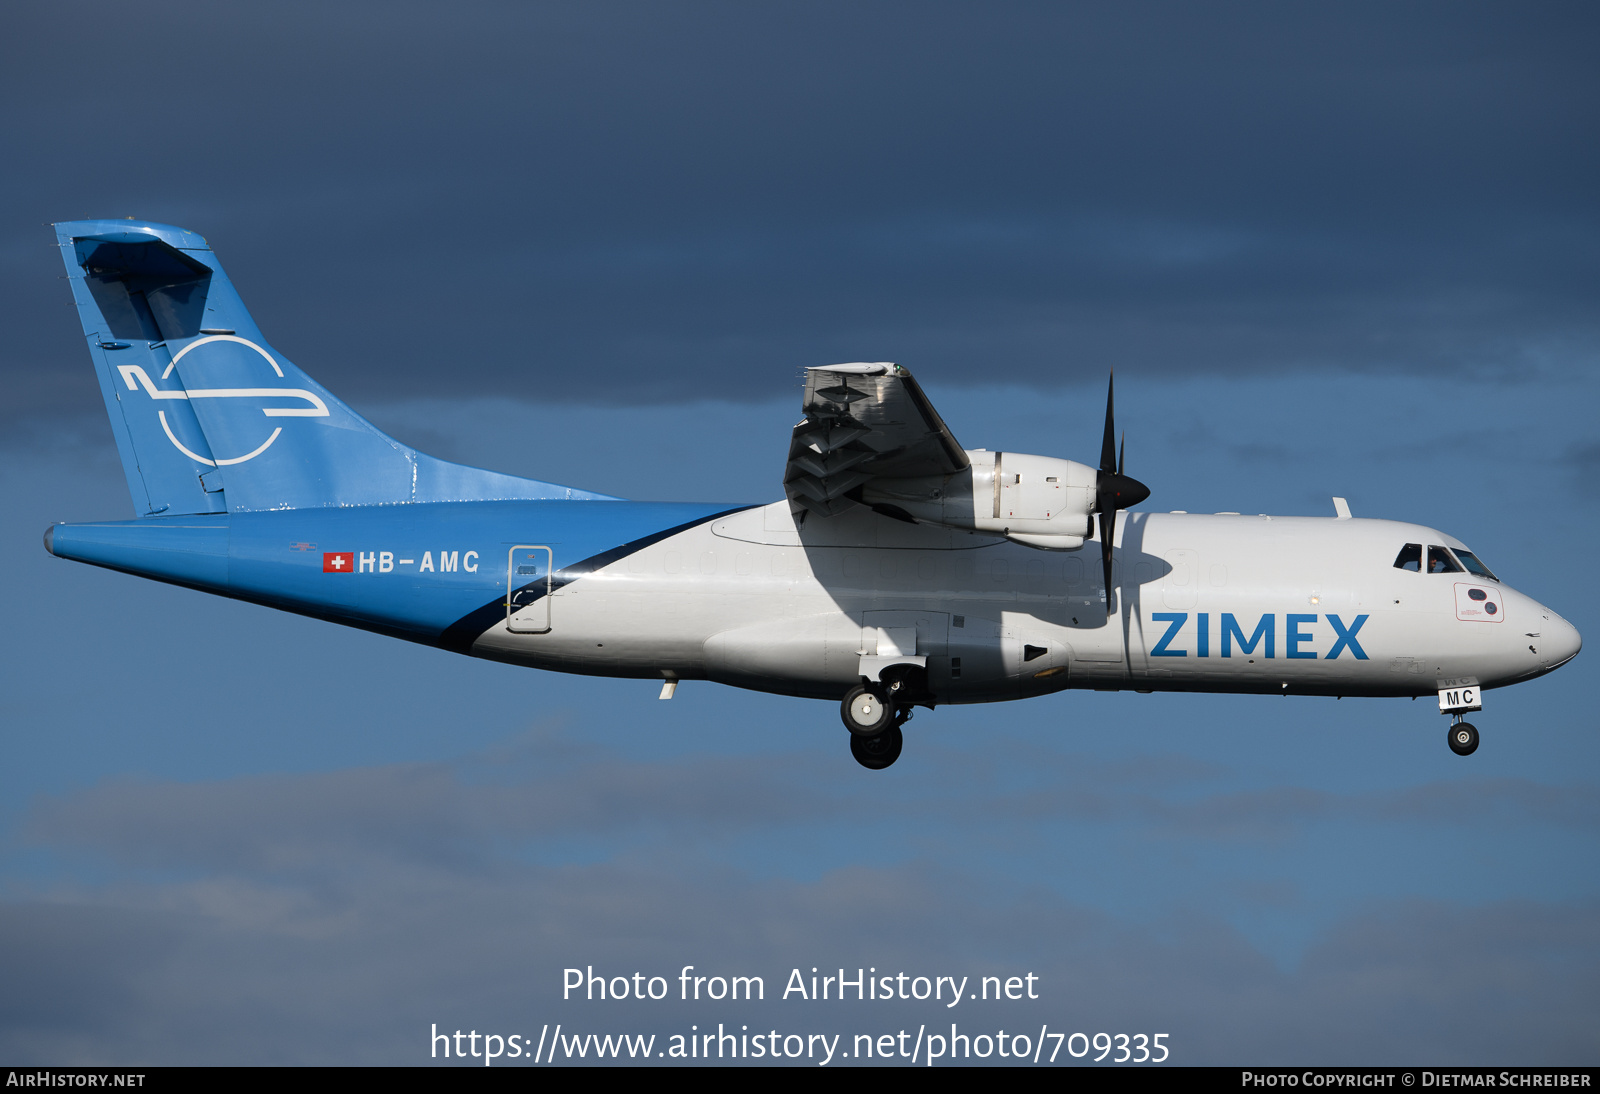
<point>338,562</point>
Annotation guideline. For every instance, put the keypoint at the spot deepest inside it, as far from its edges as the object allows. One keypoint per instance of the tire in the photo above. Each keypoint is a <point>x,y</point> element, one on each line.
<point>1463,738</point>
<point>864,712</point>
<point>877,753</point>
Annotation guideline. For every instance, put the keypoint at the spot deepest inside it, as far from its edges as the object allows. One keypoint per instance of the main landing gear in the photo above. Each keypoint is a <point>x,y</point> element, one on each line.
<point>1463,737</point>
<point>874,719</point>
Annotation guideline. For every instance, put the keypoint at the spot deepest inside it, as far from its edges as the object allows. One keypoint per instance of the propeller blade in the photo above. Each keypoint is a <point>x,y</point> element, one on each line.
<point>1108,530</point>
<point>1108,446</point>
<point>1113,488</point>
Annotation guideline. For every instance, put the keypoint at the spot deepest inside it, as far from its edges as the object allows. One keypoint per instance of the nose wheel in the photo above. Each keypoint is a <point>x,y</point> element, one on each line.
<point>1463,738</point>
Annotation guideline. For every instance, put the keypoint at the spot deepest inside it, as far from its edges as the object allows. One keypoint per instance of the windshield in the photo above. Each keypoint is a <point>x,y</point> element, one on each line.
<point>1440,562</point>
<point>1470,561</point>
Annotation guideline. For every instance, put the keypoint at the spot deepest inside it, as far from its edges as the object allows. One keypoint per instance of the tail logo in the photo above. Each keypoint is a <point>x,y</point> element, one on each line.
<point>136,377</point>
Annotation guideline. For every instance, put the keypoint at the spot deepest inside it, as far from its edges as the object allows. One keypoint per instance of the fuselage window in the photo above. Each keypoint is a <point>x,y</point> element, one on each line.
<point>1440,562</point>
<point>1470,561</point>
<point>1409,558</point>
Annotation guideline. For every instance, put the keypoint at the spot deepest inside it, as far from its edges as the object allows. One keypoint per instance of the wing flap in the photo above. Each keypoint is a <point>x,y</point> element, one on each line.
<point>862,422</point>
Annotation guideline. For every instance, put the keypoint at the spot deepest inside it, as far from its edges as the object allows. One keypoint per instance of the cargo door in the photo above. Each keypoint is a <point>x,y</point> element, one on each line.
<point>528,589</point>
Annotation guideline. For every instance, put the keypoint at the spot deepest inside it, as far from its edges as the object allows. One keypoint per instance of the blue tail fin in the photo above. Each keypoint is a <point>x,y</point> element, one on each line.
<point>208,417</point>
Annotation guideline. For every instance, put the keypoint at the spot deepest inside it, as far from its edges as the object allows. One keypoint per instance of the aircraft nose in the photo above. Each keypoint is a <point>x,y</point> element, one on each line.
<point>1561,640</point>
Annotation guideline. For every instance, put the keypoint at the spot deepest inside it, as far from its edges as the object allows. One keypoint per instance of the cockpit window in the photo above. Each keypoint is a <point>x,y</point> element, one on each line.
<point>1470,561</point>
<point>1409,558</point>
<point>1440,562</point>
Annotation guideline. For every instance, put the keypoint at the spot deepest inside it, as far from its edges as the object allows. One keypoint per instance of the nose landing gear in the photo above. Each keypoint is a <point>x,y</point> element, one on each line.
<point>1463,737</point>
<point>1459,699</point>
<point>874,720</point>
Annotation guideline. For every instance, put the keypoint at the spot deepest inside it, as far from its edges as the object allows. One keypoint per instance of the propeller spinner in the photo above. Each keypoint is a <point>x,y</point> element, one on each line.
<point>1113,489</point>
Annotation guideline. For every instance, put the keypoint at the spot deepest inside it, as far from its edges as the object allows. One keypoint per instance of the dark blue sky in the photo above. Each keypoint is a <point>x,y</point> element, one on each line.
<point>1330,251</point>
<point>682,194</point>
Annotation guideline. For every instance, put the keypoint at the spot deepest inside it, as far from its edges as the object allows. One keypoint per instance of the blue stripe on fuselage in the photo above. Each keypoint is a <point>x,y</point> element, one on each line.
<point>279,558</point>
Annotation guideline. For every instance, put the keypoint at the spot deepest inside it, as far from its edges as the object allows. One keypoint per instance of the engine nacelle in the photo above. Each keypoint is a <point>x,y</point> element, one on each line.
<point>1038,501</point>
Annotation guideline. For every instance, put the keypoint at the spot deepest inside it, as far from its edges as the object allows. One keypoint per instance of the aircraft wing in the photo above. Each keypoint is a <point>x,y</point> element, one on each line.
<point>863,422</point>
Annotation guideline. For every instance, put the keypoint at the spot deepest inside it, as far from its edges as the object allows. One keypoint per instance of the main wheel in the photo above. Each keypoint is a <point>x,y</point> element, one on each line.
<point>1463,738</point>
<point>864,712</point>
<point>877,753</point>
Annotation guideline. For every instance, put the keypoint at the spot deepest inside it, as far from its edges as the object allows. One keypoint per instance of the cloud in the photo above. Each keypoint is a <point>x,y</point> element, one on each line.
<point>547,789</point>
<point>331,917</point>
<point>357,969</point>
<point>516,201</point>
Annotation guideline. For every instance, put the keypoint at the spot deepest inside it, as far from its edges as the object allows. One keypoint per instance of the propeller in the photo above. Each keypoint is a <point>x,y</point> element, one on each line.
<point>1113,489</point>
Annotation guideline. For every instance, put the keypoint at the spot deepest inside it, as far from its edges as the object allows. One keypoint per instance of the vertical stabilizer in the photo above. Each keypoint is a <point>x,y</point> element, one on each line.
<point>208,417</point>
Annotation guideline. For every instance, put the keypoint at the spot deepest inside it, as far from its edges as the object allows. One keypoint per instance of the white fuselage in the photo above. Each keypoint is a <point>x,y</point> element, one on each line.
<point>1226,603</point>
